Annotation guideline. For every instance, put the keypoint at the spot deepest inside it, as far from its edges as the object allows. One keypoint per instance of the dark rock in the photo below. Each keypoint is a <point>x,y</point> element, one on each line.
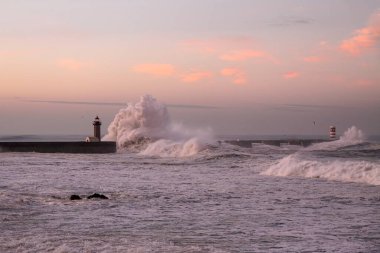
<point>97,196</point>
<point>75,197</point>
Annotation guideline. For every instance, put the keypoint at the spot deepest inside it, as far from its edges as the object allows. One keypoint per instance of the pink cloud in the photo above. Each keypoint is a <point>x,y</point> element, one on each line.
<point>155,69</point>
<point>238,75</point>
<point>365,83</point>
<point>241,55</point>
<point>196,76</point>
<point>364,38</point>
<point>312,59</point>
<point>229,48</point>
<point>72,64</point>
<point>291,75</point>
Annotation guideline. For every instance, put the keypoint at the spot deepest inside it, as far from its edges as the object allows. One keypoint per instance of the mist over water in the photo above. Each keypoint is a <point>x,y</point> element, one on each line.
<point>145,127</point>
<point>353,135</point>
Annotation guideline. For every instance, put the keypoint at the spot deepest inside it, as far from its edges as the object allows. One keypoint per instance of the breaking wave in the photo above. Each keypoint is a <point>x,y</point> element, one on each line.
<point>145,127</point>
<point>309,163</point>
<point>339,170</point>
<point>352,136</point>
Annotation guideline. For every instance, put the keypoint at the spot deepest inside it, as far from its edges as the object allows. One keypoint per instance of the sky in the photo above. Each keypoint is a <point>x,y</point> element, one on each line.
<point>235,66</point>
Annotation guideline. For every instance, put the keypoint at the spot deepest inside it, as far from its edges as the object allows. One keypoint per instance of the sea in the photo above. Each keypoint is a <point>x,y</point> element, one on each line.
<point>192,195</point>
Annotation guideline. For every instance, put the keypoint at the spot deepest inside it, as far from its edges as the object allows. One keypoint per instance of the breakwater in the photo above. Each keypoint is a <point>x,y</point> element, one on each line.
<point>60,147</point>
<point>298,142</point>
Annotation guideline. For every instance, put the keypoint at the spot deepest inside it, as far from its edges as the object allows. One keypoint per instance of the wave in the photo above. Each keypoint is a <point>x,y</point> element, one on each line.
<point>309,163</point>
<point>338,170</point>
<point>171,148</point>
<point>352,136</point>
<point>145,127</point>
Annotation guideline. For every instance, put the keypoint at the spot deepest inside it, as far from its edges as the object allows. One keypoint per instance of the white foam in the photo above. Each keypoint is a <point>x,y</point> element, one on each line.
<point>146,119</point>
<point>302,164</point>
<point>347,171</point>
<point>146,127</point>
<point>170,148</point>
<point>351,136</point>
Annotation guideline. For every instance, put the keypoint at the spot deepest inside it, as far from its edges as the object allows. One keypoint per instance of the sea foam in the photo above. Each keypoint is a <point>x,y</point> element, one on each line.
<point>339,170</point>
<point>304,164</point>
<point>145,127</point>
<point>352,136</point>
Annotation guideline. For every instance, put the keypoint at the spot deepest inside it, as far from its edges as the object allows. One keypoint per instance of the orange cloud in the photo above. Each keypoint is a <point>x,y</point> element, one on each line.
<point>242,55</point>
<point>239,77</point>
<point>196,76</point>
<point>364,38</point>
<point>312,59</point>
<point>291,75</point>
<point>155,69</point>
<point>72,64</point>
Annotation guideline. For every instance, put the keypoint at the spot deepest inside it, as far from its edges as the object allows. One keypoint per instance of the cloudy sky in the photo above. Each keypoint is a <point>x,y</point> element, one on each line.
<point>237,66</point>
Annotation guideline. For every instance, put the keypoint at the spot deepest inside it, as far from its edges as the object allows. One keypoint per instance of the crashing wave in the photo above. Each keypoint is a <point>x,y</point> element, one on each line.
<point>145,127</point>
<point>305,164</point>
<point>350,137</point>
<point>339,170</point>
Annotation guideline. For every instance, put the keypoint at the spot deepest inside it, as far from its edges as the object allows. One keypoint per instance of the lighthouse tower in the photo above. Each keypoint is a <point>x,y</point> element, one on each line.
<point>332,132</point>
<point>97,123</point>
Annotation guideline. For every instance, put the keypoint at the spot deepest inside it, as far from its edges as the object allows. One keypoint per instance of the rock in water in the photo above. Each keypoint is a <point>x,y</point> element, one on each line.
<point>97,196</point>
<point>75,197</point>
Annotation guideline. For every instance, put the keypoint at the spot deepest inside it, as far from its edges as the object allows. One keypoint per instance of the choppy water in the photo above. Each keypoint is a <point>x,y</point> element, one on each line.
<point>223,199</point>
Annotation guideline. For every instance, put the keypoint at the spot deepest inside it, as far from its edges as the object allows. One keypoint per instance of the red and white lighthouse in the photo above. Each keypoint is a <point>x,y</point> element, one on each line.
<point>332,132</point>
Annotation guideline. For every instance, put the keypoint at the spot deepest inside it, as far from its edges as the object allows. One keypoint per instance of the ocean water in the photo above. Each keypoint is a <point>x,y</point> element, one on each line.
<point>172,189</point>
<point>223,199</point>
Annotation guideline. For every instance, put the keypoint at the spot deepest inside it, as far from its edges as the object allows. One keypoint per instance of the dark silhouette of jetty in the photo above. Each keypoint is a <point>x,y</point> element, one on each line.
<point>60,147</point>
<point>298,142</point>
<point>92,145</point>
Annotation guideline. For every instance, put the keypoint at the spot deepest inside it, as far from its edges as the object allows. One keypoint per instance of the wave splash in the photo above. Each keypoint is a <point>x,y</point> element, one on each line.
<point>145,127</point>
<point>352,136</point>
<point>306,164</point>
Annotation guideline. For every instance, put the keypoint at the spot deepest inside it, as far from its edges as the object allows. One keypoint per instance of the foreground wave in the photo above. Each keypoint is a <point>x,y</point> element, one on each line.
<point>349,159</point>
